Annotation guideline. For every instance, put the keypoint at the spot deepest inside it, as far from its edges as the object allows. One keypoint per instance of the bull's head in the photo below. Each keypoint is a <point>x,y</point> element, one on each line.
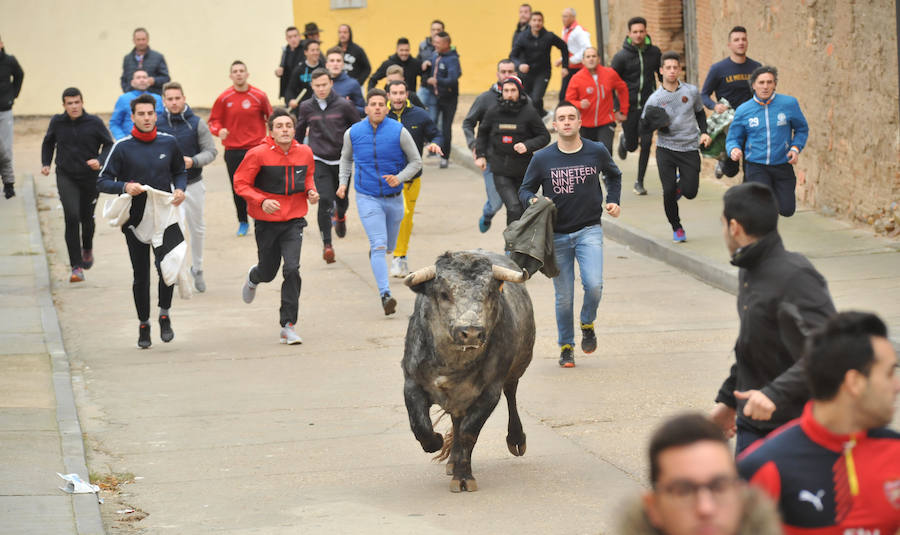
<point>463,292</point>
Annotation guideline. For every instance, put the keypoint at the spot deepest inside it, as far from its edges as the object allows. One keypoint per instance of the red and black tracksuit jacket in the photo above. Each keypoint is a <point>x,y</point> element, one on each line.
<point>267,172</point>
<point>826,483</point>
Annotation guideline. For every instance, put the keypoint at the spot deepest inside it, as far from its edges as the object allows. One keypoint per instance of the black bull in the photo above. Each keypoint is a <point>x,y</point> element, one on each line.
<point>470,336</point>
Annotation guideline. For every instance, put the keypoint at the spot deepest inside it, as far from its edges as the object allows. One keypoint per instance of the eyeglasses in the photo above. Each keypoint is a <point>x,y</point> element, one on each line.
<point>721,489</point>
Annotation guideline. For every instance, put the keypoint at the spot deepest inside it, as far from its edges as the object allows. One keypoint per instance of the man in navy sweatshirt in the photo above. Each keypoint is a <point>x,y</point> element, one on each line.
<point>568,172</point>
<point>150,159</point>
<point>729,79</point>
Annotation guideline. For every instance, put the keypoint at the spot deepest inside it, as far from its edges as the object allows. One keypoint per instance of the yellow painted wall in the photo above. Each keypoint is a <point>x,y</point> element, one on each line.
<point>481,30</point>
<point>61,44</point>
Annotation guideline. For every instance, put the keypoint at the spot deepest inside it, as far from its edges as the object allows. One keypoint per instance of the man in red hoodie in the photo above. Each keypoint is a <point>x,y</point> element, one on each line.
<point>238,117</point>
<point>591,89</point>
<point>276,180</point>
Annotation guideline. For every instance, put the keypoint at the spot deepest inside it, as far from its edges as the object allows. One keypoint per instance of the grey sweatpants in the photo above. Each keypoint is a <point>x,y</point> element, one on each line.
<point>6,147</point>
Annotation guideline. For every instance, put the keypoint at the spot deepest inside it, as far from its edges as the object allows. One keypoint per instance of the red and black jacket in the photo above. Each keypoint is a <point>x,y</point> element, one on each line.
<point>826,483</point>
<point>267,172</point>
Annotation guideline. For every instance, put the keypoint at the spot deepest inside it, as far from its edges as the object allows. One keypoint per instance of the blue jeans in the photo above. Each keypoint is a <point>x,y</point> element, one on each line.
<point>380,217</point>
<point>429,99</point>
<point>494,203</point>
<point>586,246</point>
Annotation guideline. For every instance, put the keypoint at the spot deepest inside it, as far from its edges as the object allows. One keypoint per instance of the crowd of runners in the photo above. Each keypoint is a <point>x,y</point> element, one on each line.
<point>825,380</point>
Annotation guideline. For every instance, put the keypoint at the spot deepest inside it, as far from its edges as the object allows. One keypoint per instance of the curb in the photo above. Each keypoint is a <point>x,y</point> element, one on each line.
<point>698,266</point>
<point>87,511</point>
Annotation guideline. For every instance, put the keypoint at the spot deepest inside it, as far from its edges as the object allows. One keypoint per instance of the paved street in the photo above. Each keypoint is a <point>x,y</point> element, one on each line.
<point>225,430</point>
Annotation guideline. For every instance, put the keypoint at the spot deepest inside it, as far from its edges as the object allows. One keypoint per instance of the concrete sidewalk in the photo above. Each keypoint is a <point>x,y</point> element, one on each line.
<point>39,427</point>
<point>862,269</point>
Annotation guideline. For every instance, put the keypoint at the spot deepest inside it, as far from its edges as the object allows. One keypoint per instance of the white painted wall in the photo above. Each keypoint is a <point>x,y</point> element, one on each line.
<point>61,44</point>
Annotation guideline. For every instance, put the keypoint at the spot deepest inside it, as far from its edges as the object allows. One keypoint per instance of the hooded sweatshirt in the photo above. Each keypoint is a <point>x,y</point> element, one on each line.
<point>639,68</point>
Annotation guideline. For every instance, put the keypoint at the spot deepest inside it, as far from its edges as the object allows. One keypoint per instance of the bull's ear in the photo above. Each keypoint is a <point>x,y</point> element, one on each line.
<point>417,280</point>
<point>422,287</point>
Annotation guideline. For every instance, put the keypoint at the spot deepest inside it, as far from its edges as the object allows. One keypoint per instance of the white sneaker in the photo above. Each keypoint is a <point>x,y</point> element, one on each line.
<point>404,267</point>
<point>396,269</point>
<point>289,336</point>
<point>248,292</point>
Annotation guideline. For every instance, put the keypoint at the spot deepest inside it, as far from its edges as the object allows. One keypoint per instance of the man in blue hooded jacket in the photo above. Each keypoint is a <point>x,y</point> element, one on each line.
<point>120,121</point>
<point>769,130</point>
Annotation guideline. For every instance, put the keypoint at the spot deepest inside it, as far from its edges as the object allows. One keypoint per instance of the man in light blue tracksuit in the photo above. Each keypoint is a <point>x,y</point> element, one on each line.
<point>769,130</point>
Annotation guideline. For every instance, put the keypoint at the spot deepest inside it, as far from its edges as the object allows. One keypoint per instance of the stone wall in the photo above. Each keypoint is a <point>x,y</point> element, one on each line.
<point>839,58</point>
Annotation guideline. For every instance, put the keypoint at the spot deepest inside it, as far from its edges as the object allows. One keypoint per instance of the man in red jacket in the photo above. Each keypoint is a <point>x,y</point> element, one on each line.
<point>276,179</point>
<point>591,89</point>
<point>238,117</point>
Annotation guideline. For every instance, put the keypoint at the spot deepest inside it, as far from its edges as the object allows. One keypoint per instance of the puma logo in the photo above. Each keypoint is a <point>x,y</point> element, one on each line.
<point>814,499</point>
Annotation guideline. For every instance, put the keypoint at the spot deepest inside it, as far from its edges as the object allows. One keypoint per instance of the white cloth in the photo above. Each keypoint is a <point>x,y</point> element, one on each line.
<point>159,215</point>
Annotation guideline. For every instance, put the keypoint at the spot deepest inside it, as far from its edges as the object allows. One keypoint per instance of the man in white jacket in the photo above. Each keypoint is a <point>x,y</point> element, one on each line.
<point>578,40</point>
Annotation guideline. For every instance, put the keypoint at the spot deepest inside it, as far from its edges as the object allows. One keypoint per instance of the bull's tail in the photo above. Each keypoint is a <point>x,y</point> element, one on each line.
<point>444,454</point>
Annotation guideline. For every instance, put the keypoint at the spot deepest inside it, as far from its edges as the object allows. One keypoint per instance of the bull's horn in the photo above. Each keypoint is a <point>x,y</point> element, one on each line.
<point>418,277</point>
<point>505,274</point>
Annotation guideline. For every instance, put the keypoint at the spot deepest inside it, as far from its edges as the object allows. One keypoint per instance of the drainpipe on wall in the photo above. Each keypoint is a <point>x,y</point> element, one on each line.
<point>600,10</point>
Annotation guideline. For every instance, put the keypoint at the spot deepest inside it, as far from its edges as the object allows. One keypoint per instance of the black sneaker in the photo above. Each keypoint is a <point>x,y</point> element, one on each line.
<point>588,338</point>
<point>639,189</point>
<point>165,329</point>
<point>144,336</point>
<point>621,148</point>
<point>566,357</point>
<point>388,303</point>
<point>720,169</point>
<point>340,226</point>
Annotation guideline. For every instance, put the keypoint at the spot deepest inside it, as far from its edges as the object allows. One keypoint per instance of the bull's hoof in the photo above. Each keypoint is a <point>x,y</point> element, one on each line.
<point>449,469</point>
<point>460,485</point>
<point>434,444</point>
<point>517,449</point>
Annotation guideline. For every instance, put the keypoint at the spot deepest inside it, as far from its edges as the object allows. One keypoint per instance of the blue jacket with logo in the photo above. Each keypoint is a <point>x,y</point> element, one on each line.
<point>766,131</point>
<point>377,152</point>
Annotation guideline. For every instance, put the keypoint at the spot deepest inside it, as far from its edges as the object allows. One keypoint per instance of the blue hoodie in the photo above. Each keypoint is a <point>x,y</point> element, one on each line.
<point>120,122</point>
<point>766,131</point>
<point>345,86</point>
<point>446,69</point>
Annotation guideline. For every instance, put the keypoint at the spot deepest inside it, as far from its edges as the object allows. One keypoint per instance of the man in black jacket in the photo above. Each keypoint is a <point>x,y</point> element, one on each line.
<point>291,56</point>
<point>522,24</point>
<point>412,67</point>
<point>508,136</point>
<point>781,299</point>
<point>638,65</point>
<point>11,76</point>
<point>327,116</point>
<point>143,58</point>
<point>506,68</point>
<point>81,141</point>
<point>531,52</point>
<point>356,62</point>
<point>300,77</point>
